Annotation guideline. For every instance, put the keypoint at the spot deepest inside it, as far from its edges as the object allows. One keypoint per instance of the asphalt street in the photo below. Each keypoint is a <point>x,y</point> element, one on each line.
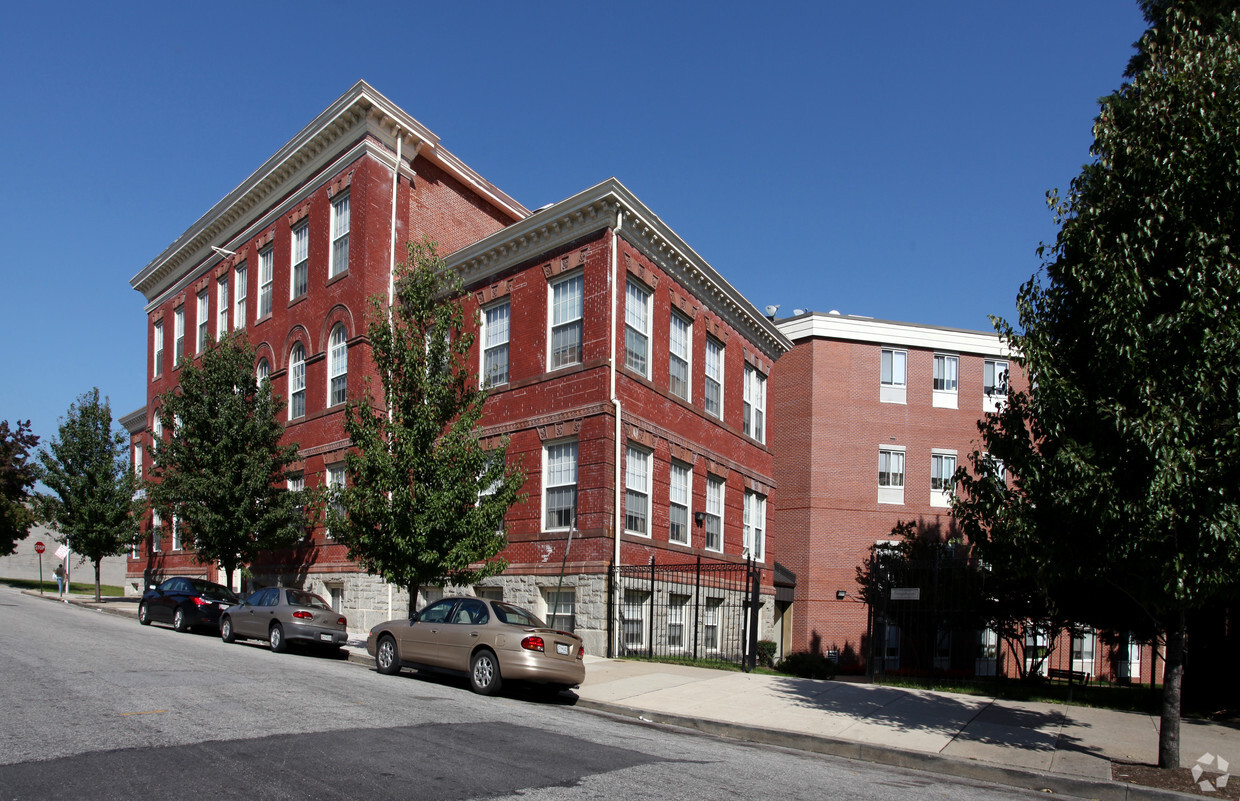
<point>95,706</point>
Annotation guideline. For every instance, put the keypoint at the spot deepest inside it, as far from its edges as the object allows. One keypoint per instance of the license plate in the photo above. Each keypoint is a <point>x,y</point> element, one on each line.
<point>325,637</point>
<point>561,648</point>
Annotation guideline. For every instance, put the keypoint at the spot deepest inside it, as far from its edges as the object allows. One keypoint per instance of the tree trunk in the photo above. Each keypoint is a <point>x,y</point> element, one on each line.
<point>98,593</point>
<point>1173,678</point>
<point>413,598</point>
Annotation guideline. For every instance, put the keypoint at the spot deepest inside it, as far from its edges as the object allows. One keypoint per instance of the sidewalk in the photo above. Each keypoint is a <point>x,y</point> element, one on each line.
<point>1046,747</point>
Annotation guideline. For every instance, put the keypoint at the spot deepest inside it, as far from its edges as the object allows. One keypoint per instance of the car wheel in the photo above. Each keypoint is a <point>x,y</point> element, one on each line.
<point>178,620</point>
<point>144,615</point>
<point>278,644</point>
<point>386,660</point>
<point>484,677</point>
<point>226,630</point>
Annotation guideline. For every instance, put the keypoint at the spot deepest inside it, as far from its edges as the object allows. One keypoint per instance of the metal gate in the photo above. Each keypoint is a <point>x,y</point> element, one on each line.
<point>699,611</point>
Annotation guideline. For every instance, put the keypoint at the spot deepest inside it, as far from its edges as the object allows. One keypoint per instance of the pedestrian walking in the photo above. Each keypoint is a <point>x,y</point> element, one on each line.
<point>59,573</point>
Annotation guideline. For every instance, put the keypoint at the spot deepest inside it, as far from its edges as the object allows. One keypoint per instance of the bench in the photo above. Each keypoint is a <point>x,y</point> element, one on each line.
<point>1077,676</point>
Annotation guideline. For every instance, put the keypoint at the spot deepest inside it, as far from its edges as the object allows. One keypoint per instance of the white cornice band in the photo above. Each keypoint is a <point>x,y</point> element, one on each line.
<point>888,332</point>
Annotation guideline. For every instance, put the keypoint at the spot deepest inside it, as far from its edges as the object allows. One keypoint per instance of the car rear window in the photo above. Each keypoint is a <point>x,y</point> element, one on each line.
<point>302,598</point>
<point>214,590</point>
<point>516,616</point>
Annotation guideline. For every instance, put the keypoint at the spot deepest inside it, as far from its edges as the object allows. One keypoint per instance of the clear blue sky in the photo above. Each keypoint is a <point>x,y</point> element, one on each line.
<point>883,159</point>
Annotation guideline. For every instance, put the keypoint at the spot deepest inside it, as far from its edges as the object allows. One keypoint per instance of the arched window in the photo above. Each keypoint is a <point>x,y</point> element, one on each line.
<point>297,382</point>
<point>263,371</point>
<point>337,367</point>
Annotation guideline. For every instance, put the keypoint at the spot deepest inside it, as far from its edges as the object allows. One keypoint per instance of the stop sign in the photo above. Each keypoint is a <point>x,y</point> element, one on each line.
<point>39,547</point>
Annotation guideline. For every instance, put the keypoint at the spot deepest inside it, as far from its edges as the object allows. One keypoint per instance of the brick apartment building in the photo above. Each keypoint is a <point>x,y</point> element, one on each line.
<point>872,418</point>
<point>628,375</point>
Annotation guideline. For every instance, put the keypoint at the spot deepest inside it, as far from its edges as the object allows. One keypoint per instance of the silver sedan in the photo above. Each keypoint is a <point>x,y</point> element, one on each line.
<point>282,615</point>
<point>489,641</point>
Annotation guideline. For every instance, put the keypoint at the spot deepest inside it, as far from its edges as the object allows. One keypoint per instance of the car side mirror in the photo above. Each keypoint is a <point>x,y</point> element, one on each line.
<point>415,617</point>
<point>152,585</point>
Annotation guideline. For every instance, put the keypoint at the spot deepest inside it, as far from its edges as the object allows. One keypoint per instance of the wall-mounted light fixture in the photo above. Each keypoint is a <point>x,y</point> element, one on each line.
<point>699,517</point>
<point>841,595</point>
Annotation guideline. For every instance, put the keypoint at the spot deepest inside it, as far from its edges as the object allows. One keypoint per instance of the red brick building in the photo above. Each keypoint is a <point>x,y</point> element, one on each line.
<point>872,418</point>
<point>629,376</point>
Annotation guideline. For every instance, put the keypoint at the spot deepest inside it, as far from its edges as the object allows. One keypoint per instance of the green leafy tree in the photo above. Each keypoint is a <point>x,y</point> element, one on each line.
<point>223,472</point>
<point>86,466</point>
<point>424,501</point>
<point>18,473</point>
<point>1125,454</point>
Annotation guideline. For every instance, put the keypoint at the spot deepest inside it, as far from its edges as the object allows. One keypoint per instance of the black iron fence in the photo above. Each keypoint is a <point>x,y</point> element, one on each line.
<point>700,611</point>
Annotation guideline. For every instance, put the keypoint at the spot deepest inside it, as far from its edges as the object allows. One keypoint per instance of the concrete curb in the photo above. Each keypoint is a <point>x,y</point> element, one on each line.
<point>896,757</point>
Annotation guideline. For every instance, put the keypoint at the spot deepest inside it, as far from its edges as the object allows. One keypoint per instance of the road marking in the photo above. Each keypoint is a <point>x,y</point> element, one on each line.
<point>152,712</point>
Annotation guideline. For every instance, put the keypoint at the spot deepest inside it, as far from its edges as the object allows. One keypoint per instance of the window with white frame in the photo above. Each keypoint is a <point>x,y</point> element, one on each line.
<point>157,533</point>
<point>339,260</point>
<point>637,328</point>
<point>890,474</point>
<point>262,372</point>
<point>677,604</point>
<point>755,404</point>
<point>1083,651</point>
<point>297,483</point>
<point>946,381</point>
<point>495,322</point>
<point>300,274</point>
<point>942,470</point>
<point>176,533</point>
<point>714,377</point>
<point>159,349</point>
<point>561,609</point>
<point>713,519</point>
<point>157,428</point>
<point>204,313</point>
<point>335,483</point>
<point>566,312</point>
<point>986,660</point>
<point>994,384</point>
<point>679,342</point>
<point>223,307</point>
<point>893,381</point>
<point>755,525</point>
<point>137,461</point>
<point>338,367</point>
<point>1000,470</point>
<point>637,491</point>
<point>710,623</point>
<point>297,382</point>
<point>678,503</point>
<point>178,335</point>
<point>633,618</point>
<point>560,485</point>
<point>1037,648</point>
<point>239,291</point>
<point>266,279</point>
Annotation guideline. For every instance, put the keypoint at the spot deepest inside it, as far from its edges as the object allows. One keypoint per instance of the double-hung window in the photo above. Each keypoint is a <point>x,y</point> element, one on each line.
<point>637,491</point>
<point>158,367</point>
<point>677,603</point>
<point>893,386</point>
<point>942,470</point>
<point>297,483</point>
<point>157,533</point>
<point>300,275</point>
<point>266,280</point>
<point>680,337</point>
<point>755,404</point>
<point>678,503</point>
<point>637,328</point>
<point>755,525</point>
<point>239,292</point>
<point>561,609</point>
<point>262,372</point>
<point>222,307</point>
<point>495,320</point>
<point>560,485</point>
<point>713,522</point>
<point>339,259</point>
<point>335,483</point>
<point>338,367</point>
<point>204,312</point>
<point>297,382</point>
<point>994,384</point>
<point>178,334</point>
<point>177,544</point>
<point>566,313</point>
<point>946,381</point>
<point>714,377</point>
<point>710,623</point>
<point>633,618</point>
<point>891,475</point>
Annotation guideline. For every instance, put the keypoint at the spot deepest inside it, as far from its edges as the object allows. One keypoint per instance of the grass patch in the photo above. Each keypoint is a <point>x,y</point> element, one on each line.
<point>713,664</point>
<point>76,587</point>
<point>1101,696</point>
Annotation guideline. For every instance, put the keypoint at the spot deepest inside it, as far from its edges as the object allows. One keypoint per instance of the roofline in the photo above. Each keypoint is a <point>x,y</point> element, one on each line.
<point>135,421</point>
<point>889,332</point>
<point>358,112</point>
<point>610,205</point>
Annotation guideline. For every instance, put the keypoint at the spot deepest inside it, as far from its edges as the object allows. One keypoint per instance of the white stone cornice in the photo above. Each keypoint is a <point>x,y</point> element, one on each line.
<point>888,332</point>
<point>607,205</point>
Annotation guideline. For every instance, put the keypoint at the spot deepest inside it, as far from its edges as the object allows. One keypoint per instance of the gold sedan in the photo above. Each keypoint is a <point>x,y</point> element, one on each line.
<point>489,641</point>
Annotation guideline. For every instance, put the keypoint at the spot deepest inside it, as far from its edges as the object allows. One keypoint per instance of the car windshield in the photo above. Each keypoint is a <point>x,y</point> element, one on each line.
<point>302,598</point>
<point>214,590</point>
<point>516,616</point>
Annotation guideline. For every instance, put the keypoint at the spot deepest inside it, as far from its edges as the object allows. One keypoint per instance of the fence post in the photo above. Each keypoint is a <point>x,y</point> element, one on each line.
<point>697,607</point>
<point>650,628</point>
<point>755,595</point>
<point>613,578</point>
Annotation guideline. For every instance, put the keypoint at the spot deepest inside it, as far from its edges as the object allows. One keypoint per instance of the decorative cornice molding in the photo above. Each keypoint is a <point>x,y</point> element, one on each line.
<point>887,332</point>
